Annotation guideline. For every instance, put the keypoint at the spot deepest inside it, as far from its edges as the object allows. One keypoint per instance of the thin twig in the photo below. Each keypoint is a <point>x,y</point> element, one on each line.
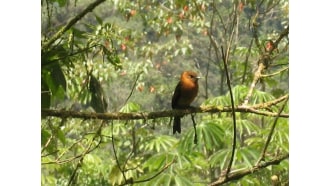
<point>162,170</point>
<point>270,103</point>
<point>115,153</point>
<point>74,173</point>
<point>225,58</point>
<point>64,151</point>
<point>194,123</point>
<point>247,60</point>
<point>255,32</point>
<point>47,143</point>
<point>133,88</point>
<point>271,132</point>
<point>275,73</point>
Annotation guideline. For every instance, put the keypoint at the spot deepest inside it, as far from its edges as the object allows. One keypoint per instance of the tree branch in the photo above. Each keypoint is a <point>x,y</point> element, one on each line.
<point>115,153</point>
<point>71,23</point>
<point>270,103</point>
<point>263,62</point>
<point>133,87</point>
<point>262,156</point>
<point>154,115</point>
<point>275,73</point>
<point>235,175</point>
<point>158,173</point>
<point>225,62</point>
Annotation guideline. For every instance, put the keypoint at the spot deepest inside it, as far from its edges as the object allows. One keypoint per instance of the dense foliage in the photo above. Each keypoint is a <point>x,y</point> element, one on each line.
<point>126,56</point>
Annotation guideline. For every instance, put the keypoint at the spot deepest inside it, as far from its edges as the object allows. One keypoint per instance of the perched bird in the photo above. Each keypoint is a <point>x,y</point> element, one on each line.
<point>185,93</point>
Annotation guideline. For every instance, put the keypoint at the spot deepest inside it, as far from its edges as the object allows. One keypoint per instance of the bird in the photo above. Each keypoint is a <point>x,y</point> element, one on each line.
<point>184,94</point>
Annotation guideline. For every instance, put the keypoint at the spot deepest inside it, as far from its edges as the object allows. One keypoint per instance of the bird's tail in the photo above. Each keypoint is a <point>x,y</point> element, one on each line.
<point>177,125</point>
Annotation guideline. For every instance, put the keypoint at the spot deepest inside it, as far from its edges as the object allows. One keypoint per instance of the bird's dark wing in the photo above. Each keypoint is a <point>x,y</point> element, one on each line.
<point>176,96</point>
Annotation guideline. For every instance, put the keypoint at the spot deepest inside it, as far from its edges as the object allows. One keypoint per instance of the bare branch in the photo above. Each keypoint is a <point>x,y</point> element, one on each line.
<point>194,123</point>
<point>133,87</point>
<point>161,114</point>
<point>246,61</point>
<point>71,23</point>
<point>225,62</point>
<point>115,153</point>
<point>256,78</point>
<point>270,103</point>
<point>275,73</point>
<point>235,175</point>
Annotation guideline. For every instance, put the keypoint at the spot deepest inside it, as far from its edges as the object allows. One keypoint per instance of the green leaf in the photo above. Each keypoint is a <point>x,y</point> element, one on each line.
<point>164,179</point>
<point>61,136</point>
<point>79,33</point>
<point>183,181</point>
<point>247,155</point>
<point>209,133</point>
<point>245,126</point>
<point>216,101</point>
<point>98,19</point>
<point>239,93</point>
<point>220,157</point>
<point>115,175</point>
<point>161,142</point>
<point>53,84</point>
<point>157,161</point>
<point>130,107</point>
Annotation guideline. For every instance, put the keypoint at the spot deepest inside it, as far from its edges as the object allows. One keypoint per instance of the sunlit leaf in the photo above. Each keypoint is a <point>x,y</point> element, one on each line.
<point>157,161</point>
<point>182,181</point>
<point>220,158</point>
<point>160,143</point>
<point>130,107</point>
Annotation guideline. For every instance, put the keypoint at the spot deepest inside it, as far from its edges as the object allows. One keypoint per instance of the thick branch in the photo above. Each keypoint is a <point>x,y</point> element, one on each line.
<point>256,78</point>
<point>153,115</point>
<point>235,175</point>
<point>71,23</point>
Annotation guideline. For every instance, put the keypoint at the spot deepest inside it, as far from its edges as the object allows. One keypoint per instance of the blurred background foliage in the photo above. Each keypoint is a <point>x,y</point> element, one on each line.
<point>127,56</point>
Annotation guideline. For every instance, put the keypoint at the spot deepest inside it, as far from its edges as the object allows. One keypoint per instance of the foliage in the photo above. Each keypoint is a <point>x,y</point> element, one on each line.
<point>126,56</point>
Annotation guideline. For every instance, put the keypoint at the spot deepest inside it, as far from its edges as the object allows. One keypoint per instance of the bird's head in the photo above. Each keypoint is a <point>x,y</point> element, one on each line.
<point>191,75</point>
